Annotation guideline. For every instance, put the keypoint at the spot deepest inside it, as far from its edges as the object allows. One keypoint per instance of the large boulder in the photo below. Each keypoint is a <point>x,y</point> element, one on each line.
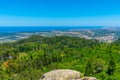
<point>62,74</point>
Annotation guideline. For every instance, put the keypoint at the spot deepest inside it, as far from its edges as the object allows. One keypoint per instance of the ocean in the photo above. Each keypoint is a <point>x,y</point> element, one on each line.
<point>43,28</point>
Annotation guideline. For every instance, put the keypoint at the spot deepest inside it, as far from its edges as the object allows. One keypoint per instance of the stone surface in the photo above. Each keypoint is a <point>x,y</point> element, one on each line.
<point>88,78</point>
<point>62,74</point>
<point>65,74</point>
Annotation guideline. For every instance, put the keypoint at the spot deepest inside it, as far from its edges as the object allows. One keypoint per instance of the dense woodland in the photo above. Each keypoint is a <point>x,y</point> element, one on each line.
<point>30,58</point>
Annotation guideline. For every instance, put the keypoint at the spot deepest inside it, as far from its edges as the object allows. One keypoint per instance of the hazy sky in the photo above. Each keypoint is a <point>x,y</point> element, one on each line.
<point>60,12</point>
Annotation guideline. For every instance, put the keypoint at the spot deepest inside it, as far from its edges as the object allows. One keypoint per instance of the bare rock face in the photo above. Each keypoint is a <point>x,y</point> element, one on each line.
<point>62,74</point>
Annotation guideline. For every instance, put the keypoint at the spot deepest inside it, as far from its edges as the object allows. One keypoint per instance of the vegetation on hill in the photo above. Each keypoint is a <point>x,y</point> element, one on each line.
<point>29,59</point>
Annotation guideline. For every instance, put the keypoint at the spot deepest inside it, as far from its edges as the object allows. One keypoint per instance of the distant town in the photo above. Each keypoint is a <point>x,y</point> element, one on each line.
<point>103,35</point>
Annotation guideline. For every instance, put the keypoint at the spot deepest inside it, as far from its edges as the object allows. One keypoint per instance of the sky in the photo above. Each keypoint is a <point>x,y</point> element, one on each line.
<point>59,12</point>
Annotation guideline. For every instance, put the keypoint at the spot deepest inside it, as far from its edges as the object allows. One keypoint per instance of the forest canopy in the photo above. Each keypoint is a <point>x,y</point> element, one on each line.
<point>29,59</point>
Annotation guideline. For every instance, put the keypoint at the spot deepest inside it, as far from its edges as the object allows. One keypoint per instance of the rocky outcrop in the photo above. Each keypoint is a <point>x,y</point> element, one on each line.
<point>65,74</point>
<point>88,78</point>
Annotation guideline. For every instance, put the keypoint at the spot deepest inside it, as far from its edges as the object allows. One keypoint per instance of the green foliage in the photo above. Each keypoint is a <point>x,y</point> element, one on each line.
<point>89,68</point>
<point>102,76</point>
<point>98,65</point>
<point>29,59</point>
<point>111,67</point>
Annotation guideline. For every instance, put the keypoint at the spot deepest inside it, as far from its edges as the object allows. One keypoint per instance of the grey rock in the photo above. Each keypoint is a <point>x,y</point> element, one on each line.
<point>65,74</point>
<point>62,74</point>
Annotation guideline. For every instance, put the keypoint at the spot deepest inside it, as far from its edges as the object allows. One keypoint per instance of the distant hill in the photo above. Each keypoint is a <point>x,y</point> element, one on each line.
<point>103,34</point>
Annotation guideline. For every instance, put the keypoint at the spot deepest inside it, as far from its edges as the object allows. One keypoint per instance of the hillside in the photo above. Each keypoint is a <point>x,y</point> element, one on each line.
<point>29,59</point>
<point>103,34</point>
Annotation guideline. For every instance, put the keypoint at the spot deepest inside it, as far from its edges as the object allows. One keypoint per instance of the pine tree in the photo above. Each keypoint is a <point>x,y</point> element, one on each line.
<point>111,67</point>
<point>89,68</point>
